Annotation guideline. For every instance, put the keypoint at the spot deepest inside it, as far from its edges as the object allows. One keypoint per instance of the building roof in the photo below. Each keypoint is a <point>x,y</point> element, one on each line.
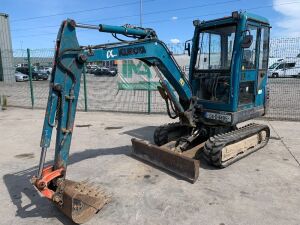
<point>4,14</point>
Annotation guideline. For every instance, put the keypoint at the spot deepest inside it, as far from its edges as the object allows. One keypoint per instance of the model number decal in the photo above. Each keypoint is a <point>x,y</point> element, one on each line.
<point>217,116</point>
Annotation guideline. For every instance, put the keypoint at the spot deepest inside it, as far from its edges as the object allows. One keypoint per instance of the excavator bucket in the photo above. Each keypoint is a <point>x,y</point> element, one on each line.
<point>162,157</point>
<point>80,200</point>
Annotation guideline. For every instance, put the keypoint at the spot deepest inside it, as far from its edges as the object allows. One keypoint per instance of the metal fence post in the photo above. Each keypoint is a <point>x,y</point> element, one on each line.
<point>30,77</point>
<point>149,94</point>
<point>84,89</point>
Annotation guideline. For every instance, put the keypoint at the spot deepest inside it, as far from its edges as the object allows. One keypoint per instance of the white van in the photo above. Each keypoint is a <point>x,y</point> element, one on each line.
<point>285,68</point>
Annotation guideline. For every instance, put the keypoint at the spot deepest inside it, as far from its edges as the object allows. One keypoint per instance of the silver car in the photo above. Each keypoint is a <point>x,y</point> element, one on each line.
<point>21,77</point>
<point>45,69</point>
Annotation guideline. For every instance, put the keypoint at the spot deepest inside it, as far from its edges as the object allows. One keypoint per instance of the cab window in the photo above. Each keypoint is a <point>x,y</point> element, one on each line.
<point>249,55</point>
<point>290,65</point>
<point>264,48</point>
<point>246,92</point>
<point>273,66</point>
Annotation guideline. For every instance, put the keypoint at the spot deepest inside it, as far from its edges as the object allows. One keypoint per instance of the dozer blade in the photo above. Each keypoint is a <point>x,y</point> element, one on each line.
<point>176,163</point>
<point>80,201</point>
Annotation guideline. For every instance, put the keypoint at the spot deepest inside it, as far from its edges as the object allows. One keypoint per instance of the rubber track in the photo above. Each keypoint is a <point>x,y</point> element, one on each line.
<point>214,145</point>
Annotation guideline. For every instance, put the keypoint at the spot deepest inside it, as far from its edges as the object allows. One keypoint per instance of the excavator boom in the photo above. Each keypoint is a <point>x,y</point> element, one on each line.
<point>77,200</point>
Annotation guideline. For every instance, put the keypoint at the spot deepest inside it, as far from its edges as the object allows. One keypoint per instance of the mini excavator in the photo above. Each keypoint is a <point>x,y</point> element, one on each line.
<point>226,85</point>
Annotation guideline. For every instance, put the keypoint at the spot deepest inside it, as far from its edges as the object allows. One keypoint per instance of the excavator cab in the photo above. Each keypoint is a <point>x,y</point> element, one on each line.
<point>228,67</point>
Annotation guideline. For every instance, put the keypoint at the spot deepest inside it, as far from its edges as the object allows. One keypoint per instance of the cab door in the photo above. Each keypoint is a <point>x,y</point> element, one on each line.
<point>249,71</point>
<point>254,68</point>
<point>263,59</point>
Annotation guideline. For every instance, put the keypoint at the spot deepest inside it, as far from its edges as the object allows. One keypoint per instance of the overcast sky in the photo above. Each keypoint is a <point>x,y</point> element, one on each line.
<point>34,23</point>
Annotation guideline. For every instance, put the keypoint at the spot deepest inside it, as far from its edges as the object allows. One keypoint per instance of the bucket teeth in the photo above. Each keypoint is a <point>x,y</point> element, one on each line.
<point>81,200</point>
<point>90,189</point>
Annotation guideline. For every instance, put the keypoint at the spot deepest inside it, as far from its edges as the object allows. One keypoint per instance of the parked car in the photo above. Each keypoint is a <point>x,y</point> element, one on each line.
<point>114,70</point>
<point>22,65</point>
<point>21,77</point>
<point>91,68</point>
<point>45,69</point>
<point>285,68</point>
<point>103,71</point>
<point>35,74</point>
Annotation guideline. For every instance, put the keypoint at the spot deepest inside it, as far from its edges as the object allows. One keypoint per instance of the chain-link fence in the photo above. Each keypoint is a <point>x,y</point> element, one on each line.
<point>284,82</point>
<point>130,86</point>
<point>17,92</point>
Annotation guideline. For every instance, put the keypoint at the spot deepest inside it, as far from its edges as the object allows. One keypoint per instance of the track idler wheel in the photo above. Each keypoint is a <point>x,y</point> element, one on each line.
<point>79,200</point>
<point>169,132</point>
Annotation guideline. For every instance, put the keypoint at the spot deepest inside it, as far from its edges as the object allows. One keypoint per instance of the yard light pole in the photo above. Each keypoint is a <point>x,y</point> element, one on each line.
<point>141,12</point>
<point>149,77</point>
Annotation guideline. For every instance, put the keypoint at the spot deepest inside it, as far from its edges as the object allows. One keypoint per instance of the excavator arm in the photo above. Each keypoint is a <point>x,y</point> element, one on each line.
<point>79,201</point>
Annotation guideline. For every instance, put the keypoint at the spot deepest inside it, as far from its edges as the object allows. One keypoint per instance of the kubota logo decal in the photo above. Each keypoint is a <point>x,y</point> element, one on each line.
<point>132,51</point>
<point>110,54</point>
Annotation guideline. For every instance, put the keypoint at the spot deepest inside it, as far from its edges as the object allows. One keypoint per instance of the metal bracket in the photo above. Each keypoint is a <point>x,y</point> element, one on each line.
<point>48,175</point>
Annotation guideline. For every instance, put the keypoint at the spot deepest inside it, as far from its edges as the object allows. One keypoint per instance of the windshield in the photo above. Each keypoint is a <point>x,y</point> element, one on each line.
<point>273,65</point>
<point>280,66</point>
<point>212,68</point>
<point>215,48</point>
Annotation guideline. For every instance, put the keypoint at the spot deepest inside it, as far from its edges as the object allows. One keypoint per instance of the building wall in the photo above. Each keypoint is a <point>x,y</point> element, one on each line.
<point>6,53</point>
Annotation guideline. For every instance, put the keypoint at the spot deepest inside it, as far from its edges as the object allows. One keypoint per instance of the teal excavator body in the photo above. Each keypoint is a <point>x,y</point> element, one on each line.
<point>226,85</point>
